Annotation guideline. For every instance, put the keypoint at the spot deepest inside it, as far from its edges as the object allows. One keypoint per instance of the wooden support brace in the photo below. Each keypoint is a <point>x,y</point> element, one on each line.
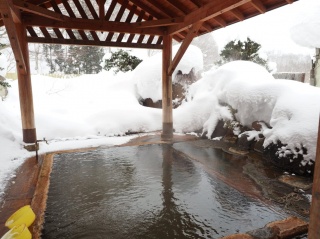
<point>259,6</point>
<point>314,225</point>
<point>184,46</point>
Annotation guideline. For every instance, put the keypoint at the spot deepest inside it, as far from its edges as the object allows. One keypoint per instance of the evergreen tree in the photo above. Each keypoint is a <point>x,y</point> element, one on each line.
<point>238,50</point>
<point>121,61</point>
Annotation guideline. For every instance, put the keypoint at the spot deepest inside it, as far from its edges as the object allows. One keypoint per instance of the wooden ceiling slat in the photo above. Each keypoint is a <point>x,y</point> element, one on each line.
<point>259,6</point>
<point>92,10</point>
<point>110,10</point>
<point>220,21</point>
<point>238,14</point>
<point>118,18</point>
<point>179,6</point>
<point>159,41</point>
<point>164,11</point>
<point>198,3</point>
<point>150,39</point>
<point>85,16</point>
<point>80,9</point>
<point>45,32</point>
<point>32,32</point>
<point>91,43</point>
<point>141,37</point>
<point>58,32</point>
<point>128,20</point>
<point>68,8</point>
<point>101,9</point>
<point>57,9</point>
<point>207,12</point>
<point>289,1</point>
<point>147,9</point>
<point>139,19</point>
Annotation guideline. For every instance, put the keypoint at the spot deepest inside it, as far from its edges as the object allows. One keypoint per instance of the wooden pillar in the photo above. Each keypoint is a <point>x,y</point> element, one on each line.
<point>25,90</point>
<point>167,122</point>
<point>314,225</point>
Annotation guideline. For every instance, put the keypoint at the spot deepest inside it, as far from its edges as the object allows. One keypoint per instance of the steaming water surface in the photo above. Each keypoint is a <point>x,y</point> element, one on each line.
<point>146,191</point>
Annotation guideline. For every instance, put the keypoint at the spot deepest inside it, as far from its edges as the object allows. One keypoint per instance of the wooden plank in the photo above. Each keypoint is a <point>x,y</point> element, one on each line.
<point>45,32</point>
<point>208,11</point>
<point>179,6</point>
<point>93,25</point>
<point>239,15</point>
<point>167,120</point>
<point>92,10</point>
<point>141,37</point>
<point>128,20</point>
<point>139,19</point>
<point>28,7</point>
<point>118,18</point>
<point>289,1</point>
<point>148,9</point>
<point>220,21</point>
<point>101,9</point>
<point>314,224</point>
<point>198,3</point>
<point>259,6</point>
<point>32,32</point>
<point>58,32</point>
<point>157,23</point>
<point>92,43</point>
<point>110,10</point>
<point>184,46</point>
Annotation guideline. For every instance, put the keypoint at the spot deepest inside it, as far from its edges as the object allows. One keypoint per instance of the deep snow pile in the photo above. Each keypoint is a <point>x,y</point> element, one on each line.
<point>290,108</point>
<point>148,73</point>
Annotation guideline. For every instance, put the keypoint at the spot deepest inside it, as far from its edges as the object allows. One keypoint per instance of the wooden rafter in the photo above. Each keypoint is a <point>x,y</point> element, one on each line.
<point>259,6</point>
<point>184,46</point>
<point>220,21</point>
<point>89,24</point>
<point>91,43</point>
<point>208,11</point>
<point>161,22</point>
<point>28,7</point>
<point>239,15</point>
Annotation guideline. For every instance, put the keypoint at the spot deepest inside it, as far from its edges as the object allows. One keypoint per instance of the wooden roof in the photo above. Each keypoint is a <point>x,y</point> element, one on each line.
<point>126,23</point>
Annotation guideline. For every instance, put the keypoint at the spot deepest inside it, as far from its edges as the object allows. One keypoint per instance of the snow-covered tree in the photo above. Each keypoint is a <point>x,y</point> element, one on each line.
<point>121,61</point>
<point>237,50</point>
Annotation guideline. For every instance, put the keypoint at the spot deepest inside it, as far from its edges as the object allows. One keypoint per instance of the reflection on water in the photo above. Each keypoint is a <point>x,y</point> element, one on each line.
<point>150,191</point>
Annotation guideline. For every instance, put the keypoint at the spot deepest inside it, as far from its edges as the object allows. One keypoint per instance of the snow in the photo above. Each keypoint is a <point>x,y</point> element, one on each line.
<point>149,73</point>
<point>306,24</point>
<point>90,110</point>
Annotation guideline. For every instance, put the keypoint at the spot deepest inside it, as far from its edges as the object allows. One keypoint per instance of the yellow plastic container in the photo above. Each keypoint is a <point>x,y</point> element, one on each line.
<point>24,215</point>
<point>18,232</point>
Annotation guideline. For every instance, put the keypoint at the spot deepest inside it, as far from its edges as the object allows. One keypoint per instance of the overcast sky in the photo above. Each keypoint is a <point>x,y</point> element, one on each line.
<point>271,30</point>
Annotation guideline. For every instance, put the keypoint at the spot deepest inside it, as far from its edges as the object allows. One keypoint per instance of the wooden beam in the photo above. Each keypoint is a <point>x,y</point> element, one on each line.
<point>157,23</point>
<point>28,7</point>
<point>259,6</point>
<point>25,91</point>
<point>220,21</point>
<point>101,9</point>
<point>91,24</point>
<point>239,15</point>
<point>314,224</point>
<point>167,121</point>
<point>13,35</point>
<point>92,43</point>
<point>208,11</point>
<point>198,3</point>
<point>128,20</point>
<point>289,1</point>
<point>184,46</point>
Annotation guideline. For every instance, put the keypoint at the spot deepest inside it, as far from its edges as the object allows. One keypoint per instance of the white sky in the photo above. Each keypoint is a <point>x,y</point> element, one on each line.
<point>271,30</point>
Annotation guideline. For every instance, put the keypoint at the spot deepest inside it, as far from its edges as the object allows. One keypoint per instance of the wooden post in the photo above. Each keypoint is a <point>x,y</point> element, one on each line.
<point>167,123</point>
<point>314,225</point>
<point>25,90</point>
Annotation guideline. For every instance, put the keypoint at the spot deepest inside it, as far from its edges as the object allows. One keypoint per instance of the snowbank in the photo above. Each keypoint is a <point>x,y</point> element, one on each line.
<point>290,108</point>
<point>148,73</point>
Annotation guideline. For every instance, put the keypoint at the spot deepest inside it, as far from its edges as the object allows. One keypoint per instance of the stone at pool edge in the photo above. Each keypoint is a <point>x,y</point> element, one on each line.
<point>287,228</point>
